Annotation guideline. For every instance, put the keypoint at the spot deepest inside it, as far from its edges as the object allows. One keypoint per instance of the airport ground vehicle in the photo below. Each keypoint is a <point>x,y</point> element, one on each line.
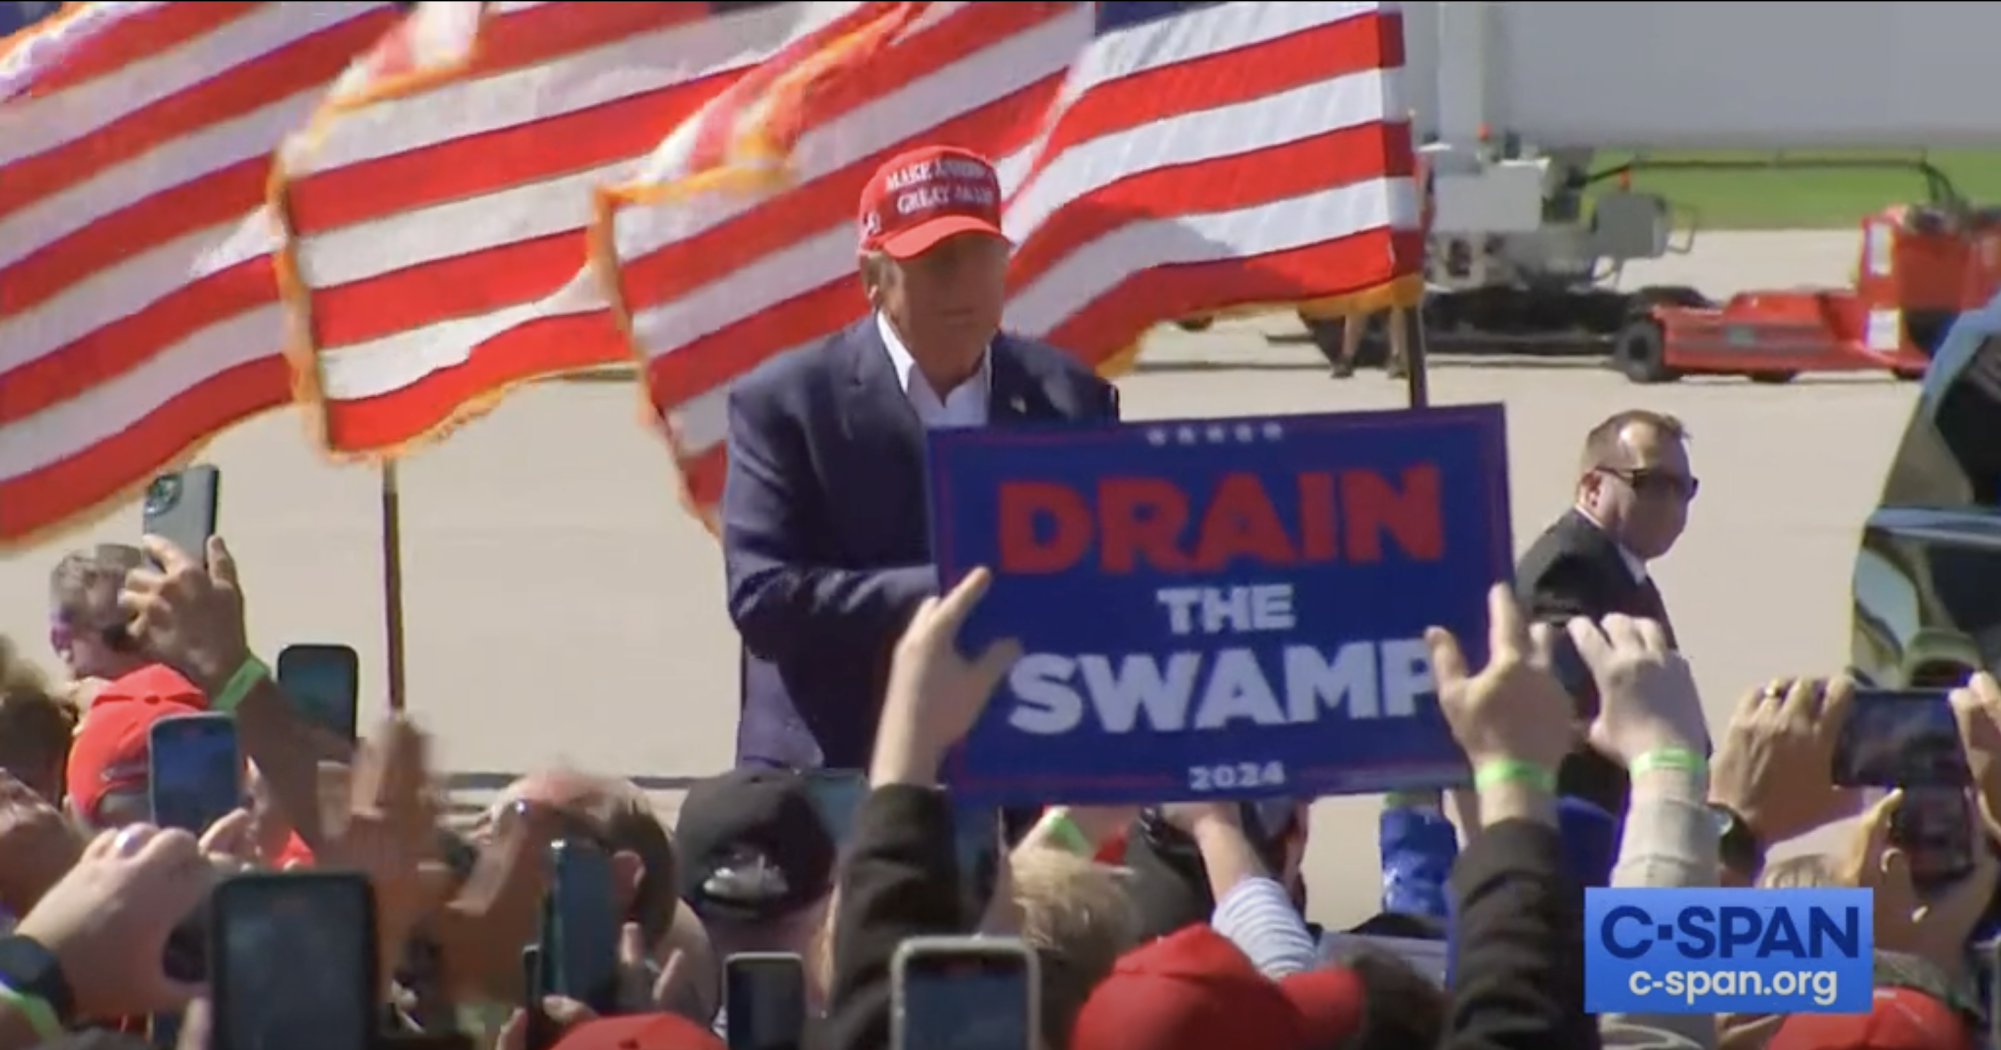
<point>1918,268</point>
<point>1927,583</point>
<point>1513,101</point>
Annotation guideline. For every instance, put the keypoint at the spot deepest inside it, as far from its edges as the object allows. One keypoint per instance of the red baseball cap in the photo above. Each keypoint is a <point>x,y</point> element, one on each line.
<point>639,1032</point>
<point>1899,1019</point>
<point>1194,990</point>
<point>110,751</point>
<point>925,195</point>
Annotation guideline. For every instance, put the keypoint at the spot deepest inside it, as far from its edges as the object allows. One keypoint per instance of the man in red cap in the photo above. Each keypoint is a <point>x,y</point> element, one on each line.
<point>1194,990</point>
<point>1898,1019</point>
<point>825,538</point>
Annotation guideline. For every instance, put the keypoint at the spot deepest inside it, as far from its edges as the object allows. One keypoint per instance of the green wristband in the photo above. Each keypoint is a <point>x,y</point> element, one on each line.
<point>35,1010</point>
<point>239,686</point>
<point>1680,759</point>
<point>1514,771</point>
<point>1065,833</point>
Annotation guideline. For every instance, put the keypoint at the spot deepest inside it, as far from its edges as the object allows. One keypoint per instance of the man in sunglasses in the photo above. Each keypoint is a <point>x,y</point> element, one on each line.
<point>1634,486</point>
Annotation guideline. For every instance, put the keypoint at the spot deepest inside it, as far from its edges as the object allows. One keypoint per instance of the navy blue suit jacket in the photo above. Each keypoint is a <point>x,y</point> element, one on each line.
<point>826,540</point>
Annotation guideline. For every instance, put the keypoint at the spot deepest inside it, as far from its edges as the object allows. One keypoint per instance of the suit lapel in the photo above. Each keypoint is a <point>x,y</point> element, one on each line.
<point>876,412</point>
<point>1645,598</point>
<point>1013,394</point>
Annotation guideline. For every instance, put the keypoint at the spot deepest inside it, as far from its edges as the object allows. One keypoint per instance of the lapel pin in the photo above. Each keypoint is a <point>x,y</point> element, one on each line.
<point>1016,405</point>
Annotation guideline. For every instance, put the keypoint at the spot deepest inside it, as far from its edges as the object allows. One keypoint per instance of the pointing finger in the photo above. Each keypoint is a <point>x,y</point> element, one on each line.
<point>1448,663</point>
<point>960,601</point>
<point>1507,629</point>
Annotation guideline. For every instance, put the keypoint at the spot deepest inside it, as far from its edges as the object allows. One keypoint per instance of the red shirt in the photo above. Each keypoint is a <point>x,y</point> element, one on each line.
<point>295,852</point>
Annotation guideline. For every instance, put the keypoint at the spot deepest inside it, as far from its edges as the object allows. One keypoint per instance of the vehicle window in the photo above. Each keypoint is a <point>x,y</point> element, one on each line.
<point>1968,420</point>
<point>1884,593</point>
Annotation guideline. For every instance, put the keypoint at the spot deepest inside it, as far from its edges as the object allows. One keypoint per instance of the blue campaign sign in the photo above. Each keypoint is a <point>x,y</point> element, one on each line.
<point>1221,607</point>
<point>1741,950</point>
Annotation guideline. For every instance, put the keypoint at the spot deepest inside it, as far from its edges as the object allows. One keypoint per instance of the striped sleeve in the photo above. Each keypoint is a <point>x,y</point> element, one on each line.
<point>1258,916</point>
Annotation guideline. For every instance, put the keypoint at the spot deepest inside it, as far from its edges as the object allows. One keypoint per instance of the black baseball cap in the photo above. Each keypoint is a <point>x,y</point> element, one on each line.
<point>752,846</point>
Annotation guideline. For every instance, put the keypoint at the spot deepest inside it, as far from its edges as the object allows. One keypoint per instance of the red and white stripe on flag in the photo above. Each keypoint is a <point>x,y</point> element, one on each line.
<point>1224,156</point>
<point>139,314</point>
<point>436,247</point>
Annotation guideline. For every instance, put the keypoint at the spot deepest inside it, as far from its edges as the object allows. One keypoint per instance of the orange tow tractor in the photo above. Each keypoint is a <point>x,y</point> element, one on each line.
<point>1920,267</point>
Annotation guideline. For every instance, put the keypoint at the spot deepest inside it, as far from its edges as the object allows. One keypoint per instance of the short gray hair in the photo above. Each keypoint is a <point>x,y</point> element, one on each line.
<point>85,584</point>
<point>876,266</point>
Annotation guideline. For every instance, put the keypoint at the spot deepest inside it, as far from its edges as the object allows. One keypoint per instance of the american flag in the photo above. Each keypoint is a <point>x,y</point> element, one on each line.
<point>436,218</point>
<point>554,205</point>
<point>139,314</point>
<point>1161,160</point>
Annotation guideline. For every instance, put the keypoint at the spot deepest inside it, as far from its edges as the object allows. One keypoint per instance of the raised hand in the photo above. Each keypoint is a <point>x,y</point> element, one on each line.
<point>189,612</point>
<point>1512,709</point>
<point>935,694</point>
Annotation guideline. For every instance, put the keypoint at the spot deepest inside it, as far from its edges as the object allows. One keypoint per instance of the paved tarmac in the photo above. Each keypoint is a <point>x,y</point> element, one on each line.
<point>561,608</point>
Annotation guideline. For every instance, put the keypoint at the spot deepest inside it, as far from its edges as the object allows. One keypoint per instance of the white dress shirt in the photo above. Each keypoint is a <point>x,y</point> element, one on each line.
<point>965,406</point>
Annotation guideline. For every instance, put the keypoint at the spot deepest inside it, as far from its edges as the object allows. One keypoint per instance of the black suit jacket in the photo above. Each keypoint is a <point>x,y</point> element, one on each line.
<point>826,540</point>
<point>1573,569</point>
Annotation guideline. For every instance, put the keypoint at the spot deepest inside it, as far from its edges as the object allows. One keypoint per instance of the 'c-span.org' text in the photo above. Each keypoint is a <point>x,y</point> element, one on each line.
<point>1716,950</point>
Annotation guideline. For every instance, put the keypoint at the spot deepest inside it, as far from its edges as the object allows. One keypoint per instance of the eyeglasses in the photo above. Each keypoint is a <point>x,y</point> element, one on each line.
<point>1650,482</point>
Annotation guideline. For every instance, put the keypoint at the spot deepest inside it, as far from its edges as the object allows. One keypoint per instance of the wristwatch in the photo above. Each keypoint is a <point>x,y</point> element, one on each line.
<point>32,971</point>
<point>1737,845</point>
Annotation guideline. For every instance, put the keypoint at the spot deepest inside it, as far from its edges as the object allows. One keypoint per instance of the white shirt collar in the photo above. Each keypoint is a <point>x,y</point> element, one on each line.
<point>1637,564</point>
<point>968,401</point>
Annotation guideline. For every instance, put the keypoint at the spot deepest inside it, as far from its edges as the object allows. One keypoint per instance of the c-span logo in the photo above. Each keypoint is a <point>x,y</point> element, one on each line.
<point>1706,951</point>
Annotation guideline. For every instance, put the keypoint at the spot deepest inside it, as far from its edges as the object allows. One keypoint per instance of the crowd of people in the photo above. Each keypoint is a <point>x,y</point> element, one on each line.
<point>1178,926</point>
<point>1181,927</point>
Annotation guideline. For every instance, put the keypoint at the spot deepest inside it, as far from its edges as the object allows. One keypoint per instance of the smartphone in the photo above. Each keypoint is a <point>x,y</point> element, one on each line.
<point>1934,828</point>
<point>181,508</point>
<point>293,962</point>
<point>195,775</point>
<point>580,927</point>
<point>968,993</point>
<point>764,1000</point>
<point>1900,738</point>
<point>1567,666</point>
<point>324,683</point>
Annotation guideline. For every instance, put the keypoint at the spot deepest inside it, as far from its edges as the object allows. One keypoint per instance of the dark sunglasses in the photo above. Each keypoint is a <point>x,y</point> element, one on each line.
<point>1656,482</point>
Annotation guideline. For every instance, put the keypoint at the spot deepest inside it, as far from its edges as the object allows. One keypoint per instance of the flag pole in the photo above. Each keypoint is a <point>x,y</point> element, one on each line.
<point>1417,383</point>
<point>392,582</point>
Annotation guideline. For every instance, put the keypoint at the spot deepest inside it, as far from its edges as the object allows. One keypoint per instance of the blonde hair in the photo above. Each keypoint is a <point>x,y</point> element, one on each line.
<point>1798,873</point>
<point>1077,916</point>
